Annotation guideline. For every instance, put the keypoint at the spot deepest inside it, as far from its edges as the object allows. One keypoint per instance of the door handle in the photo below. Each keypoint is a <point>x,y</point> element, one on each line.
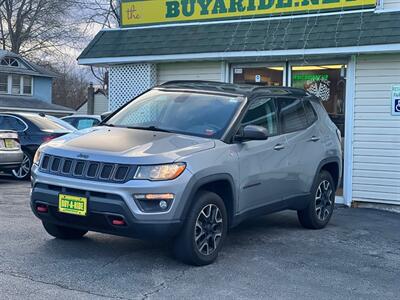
<point>314,139</point>
<point>279,147</point>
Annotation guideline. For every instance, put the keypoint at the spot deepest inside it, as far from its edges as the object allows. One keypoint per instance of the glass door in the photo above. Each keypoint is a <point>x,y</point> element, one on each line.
<point>328,82</point>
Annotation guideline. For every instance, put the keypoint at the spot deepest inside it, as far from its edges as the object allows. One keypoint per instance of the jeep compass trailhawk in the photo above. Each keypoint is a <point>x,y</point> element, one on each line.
<point>189,160</point>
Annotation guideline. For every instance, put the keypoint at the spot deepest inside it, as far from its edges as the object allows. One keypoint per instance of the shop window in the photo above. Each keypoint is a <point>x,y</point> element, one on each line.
<point>266,76</point>
<point>3,83</point>
<point>326,82</point>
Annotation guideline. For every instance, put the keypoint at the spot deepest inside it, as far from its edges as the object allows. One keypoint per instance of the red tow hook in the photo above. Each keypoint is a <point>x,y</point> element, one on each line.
<point>41,208</point>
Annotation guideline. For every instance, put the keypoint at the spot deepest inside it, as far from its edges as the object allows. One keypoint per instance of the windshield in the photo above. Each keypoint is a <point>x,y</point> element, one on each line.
<point>189,113</point>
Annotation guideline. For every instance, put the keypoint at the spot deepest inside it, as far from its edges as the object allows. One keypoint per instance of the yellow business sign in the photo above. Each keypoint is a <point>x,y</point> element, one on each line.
<point>146,12</point>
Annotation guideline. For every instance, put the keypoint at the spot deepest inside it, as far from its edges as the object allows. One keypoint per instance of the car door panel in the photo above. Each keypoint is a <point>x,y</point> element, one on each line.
<point>262,163</point>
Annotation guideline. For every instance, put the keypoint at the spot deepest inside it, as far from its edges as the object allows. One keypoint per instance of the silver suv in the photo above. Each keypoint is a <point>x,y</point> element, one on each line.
<point>188,161</point>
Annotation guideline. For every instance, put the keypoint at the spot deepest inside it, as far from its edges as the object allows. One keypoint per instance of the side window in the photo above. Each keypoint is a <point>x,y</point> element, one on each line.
<point>11,123</point>
<point>262,112</point>
<point>85,123</point>
<point>292,115</point>
<point>310,112</point>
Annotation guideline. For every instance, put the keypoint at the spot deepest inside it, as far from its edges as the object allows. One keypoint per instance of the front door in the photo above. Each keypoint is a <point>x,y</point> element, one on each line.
<point>262,163</point>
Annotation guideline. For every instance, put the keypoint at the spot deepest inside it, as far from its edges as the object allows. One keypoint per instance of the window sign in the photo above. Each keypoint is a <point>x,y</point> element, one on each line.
<point>396,100</point>
<point>148,12</point>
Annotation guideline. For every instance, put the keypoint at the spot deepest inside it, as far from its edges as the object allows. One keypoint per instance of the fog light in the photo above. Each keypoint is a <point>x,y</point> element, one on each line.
<point>163,204</point>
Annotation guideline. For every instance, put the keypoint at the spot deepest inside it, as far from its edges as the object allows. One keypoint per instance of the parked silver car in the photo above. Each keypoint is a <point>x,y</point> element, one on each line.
<point>188,160</point>
<point>10,151</point>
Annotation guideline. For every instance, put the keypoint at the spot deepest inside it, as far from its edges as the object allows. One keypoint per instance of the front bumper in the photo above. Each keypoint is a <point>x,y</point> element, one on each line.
<point>109,200</point>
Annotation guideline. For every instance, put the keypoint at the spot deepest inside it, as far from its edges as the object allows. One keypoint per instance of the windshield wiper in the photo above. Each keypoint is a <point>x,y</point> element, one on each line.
<point>108,125</point>
<point>151,128</point>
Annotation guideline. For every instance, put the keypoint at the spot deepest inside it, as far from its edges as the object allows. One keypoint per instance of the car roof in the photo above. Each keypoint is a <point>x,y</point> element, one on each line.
<point>245,90</point>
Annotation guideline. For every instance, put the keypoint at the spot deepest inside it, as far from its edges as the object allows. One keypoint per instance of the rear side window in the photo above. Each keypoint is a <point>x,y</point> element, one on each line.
<point>292,115</point>
<point>11,123</point>
<point>310,112</point>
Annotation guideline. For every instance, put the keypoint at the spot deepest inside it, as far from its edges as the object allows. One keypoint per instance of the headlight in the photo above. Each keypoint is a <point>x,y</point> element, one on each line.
<point>37,157</point>
<point>160,172</point>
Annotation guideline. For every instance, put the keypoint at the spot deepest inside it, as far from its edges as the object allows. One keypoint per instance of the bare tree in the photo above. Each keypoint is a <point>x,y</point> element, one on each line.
<point>70,86</point>
<point>29,26</point>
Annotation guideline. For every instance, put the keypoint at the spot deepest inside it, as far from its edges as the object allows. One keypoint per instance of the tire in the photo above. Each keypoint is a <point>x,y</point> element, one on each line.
<point>209,231</point>
<point>24,171</point>
<point>320,208</point>
<point>64,233</point>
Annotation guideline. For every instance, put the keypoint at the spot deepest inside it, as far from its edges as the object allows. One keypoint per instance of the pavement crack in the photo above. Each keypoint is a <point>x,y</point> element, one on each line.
<point>26,277</point>
<point>161,286</point>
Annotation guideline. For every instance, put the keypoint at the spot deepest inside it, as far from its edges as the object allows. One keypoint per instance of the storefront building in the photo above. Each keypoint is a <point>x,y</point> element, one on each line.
<point>345,51</point>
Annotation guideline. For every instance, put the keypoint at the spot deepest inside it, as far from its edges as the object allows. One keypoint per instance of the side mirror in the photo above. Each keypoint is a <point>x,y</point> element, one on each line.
<point>105,115</point>
<point>252,133</point>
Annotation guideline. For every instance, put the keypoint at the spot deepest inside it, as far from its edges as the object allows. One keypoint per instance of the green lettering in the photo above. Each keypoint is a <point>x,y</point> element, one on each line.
<point>330,1</point>
<point>285,3</point>
<point>266,4</point>
<point>204,4</point>
<point>188,7</point>
<point>251,5</point>
<point>219,7</point>
<point>172,9</point>
<point>236,5</point>
<point>308,2</point>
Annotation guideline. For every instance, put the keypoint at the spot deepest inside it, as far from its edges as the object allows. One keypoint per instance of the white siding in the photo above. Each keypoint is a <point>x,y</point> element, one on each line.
<point>100,105</point>
<point>391,4</point>
<point>376,145</point>
<point>210,71</point>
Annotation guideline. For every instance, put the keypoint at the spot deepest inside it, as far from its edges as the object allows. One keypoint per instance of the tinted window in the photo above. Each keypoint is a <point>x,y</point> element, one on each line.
<point>262,112</point>
<point>11,123</point>
<point>86,123</point>
<point>292,115</point>
<point>310,112</point>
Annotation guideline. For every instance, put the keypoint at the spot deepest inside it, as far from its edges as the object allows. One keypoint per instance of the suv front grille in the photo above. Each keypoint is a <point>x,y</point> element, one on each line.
<point>89,170</point>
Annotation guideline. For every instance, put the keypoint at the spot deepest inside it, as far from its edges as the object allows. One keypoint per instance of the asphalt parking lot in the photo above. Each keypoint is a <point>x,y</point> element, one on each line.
<point>356,257</point>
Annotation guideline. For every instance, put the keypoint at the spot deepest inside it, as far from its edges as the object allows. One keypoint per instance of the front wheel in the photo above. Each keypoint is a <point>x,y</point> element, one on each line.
<point>64,233</point>
<point>204,231</point>
<point>320,209</point>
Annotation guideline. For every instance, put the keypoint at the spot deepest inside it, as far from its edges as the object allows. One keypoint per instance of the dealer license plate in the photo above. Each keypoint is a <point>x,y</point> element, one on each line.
<point>9,143</point>
<point>72,205</point>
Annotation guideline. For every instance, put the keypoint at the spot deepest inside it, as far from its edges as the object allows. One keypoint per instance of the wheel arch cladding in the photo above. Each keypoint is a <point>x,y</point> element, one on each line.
<point>333,169</point>
<point>223,186</point>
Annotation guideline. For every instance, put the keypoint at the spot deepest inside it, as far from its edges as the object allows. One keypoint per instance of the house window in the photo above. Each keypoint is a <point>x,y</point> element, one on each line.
<point>9,62</point>
<point>16,85</point>
<point>27,85</point>
<point>3,83</point>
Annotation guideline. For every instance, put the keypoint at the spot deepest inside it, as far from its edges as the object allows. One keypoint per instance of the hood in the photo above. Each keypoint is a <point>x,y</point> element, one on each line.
<point>123,145</point>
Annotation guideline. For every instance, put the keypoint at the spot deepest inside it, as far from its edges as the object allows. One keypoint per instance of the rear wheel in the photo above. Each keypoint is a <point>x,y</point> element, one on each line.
<point>204,231</point>
<point>64,233</point>
<point>320,209</point>
<point>24,171</point>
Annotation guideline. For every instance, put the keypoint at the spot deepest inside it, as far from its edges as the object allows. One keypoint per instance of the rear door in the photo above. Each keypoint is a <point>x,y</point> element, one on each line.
<point>262,163</point>
<point>297,121</point>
